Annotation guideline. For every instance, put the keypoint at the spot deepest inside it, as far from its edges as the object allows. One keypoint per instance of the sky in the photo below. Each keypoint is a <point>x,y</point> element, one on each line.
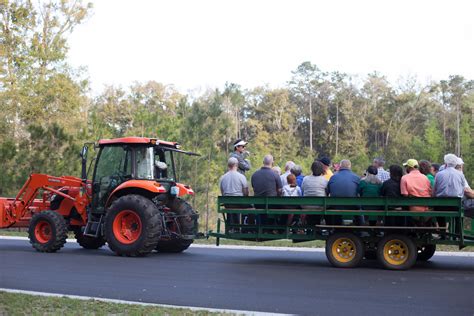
<point>197,45</point>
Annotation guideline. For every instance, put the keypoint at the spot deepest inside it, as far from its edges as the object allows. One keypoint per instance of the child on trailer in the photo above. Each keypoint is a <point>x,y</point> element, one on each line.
<point>291,189</point>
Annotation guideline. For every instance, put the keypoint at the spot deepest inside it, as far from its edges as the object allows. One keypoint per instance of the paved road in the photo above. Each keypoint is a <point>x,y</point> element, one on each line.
<point>268,281</point>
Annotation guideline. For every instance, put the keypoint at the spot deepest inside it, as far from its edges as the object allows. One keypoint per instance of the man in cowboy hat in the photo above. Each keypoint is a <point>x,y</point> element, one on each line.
<point>240,154</point>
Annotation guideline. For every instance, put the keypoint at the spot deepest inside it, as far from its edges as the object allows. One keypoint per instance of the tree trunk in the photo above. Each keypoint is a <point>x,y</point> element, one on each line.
<point>310,124</point>
<point>458,123</point>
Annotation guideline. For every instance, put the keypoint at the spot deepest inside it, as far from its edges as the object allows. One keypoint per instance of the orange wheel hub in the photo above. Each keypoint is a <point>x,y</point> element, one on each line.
<point>127,227</point>
<point>43,232</point>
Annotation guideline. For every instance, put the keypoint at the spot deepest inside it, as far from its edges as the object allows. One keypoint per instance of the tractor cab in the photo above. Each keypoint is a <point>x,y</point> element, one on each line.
<point>134,163</point>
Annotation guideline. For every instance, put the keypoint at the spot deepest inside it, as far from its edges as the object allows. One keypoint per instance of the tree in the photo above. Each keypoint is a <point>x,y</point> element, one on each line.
<point>303,85</point>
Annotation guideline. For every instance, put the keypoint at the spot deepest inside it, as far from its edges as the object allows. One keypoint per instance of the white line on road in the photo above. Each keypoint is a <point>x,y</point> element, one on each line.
<point>268,248</point>
<point>109,300</point>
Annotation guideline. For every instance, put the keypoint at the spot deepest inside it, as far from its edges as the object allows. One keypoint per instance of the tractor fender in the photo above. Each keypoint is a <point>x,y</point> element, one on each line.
<point>141,187</point>
<point>184,189</point>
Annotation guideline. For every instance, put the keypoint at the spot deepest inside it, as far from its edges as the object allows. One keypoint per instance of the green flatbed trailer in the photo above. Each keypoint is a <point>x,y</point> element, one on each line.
<point>396,246</point>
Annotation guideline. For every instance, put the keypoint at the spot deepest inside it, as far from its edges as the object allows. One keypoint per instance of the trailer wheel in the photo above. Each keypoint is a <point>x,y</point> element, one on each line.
<point>47,231</point>
<point>425,252</point>
<point>132,226</point>
<point>396,252</point>
<point>186,222</point>
<point>344,250</point>
<point>88,242</point>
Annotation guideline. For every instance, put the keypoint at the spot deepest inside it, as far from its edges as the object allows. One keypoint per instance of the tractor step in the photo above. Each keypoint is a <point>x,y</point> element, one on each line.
<point>93,228</point>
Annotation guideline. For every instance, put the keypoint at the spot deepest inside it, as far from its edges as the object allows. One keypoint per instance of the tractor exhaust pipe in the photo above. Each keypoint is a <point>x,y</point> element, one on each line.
<point>84,151</point>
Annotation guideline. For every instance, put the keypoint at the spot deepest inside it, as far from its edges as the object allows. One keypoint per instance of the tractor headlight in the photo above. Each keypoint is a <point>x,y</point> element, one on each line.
<point>174,190</point>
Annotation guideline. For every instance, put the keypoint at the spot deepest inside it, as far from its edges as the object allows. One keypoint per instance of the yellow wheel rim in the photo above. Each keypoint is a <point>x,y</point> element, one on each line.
<point>344,250</point>
<point>395,252</point>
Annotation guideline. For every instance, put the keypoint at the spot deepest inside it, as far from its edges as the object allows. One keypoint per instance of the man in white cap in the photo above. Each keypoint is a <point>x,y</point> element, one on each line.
<point>240,154</point>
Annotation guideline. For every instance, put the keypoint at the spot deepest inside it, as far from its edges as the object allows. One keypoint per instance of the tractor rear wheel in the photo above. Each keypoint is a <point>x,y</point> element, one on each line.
<point>132,226</point>
<point>88,242</point>
<point>187,224</point>
<point>47,231</point>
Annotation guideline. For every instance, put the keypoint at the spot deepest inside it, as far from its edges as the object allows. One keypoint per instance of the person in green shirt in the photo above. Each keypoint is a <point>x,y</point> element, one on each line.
<point>425,168</point>
<point>369,186</point>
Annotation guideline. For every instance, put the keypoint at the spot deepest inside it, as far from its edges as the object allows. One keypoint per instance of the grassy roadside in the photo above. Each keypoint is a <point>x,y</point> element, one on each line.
<point>273,243</point>
<point>25,304</point>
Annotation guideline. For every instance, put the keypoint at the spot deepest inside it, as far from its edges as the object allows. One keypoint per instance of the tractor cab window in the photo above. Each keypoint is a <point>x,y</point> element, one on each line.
<point>164,167</point>
<point>145,162</point>
<point>113,167</point>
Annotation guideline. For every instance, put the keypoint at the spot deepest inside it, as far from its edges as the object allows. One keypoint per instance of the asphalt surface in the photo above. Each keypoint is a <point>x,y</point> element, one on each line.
<point>253,280</point>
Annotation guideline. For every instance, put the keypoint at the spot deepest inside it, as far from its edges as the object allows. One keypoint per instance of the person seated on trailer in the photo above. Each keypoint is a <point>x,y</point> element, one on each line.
<point>391,188</point>
<point>233,183</point>
<point>298,172</point>
<point>449,182</point>
<point>415,184</point>
<point>326,164</point>
<point>265,182</point>
<point>425,168</point>
<point>291,189</point>
<point>277,170</point>
<point>382,175</point>
<point>241,155</point>
<point>288,166</point>
<point>344,183</point>
<point>369,186</point>
<point>314,185</point>
<point>468,198</point>
<point>435,168</point>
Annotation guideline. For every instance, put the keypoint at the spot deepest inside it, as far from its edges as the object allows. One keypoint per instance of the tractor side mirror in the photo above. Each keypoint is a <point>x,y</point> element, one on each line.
<point>84,151</point>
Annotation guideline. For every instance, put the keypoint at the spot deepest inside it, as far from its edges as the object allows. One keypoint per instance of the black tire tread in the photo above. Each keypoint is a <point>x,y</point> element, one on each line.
<point>88,242</point>
<point>426,253</point>
<point>59,226</point>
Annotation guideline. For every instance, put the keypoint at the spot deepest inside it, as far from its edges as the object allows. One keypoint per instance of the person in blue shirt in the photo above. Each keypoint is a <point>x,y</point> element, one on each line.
<point>343,184</point>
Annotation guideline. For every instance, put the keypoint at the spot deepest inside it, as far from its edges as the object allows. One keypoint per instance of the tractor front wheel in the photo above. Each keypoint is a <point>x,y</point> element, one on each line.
<point>47,231</point>
<point>132,226</point>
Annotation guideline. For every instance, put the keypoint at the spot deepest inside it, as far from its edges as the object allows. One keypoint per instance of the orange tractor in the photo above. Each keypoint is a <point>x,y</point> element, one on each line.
<point>133,202</point>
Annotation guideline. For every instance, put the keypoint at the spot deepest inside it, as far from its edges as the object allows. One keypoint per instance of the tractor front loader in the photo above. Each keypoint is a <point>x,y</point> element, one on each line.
<point>133,202</point>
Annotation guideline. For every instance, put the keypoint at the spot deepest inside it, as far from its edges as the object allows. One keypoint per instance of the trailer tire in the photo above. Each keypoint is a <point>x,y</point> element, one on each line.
<point>397,252</point>
<point>187,226</point>
<point>425,252</point>
<point>47,231</point>
<point>132,226</point>
<point>88,242</point>
<point>344,250</point>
